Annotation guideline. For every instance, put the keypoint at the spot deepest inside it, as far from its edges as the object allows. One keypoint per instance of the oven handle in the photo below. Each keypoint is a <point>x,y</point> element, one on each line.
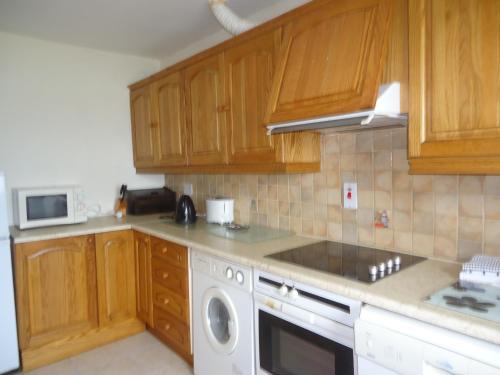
<point>327,328</point>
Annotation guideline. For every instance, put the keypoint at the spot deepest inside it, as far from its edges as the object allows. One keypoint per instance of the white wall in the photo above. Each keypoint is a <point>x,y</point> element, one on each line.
<point>65,119</point>
<point>220,36</point>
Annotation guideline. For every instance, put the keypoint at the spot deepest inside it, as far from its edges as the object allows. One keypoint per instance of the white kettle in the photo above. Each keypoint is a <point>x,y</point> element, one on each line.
<point>220,210</point>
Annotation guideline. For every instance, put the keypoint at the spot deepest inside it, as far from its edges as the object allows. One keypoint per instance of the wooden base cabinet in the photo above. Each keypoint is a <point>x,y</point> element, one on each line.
<point>170,296</point>
<point>68,301</point>
<point>142,247</point>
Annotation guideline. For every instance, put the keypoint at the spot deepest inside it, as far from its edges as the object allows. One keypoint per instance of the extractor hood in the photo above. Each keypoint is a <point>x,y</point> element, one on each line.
<point>385,114</point>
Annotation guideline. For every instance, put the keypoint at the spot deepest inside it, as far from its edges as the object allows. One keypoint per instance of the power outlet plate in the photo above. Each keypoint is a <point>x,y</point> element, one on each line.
<point>188,189</point>
<point>350,196</point>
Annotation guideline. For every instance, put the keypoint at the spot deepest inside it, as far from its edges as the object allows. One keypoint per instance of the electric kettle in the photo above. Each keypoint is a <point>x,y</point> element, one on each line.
<point>185,212</point>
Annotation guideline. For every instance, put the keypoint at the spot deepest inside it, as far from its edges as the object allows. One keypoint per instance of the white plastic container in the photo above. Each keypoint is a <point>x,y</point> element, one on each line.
<point>220,210</point>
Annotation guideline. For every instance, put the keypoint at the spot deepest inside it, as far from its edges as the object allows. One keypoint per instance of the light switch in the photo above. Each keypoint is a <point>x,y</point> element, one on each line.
<point>188,189</point>
<point>350,195</point>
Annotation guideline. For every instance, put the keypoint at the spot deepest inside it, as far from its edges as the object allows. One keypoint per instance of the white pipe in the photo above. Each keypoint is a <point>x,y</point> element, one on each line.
<point>228,19</point>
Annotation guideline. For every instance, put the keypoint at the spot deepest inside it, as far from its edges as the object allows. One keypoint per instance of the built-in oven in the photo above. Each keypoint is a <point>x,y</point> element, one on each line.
<point>302,330</point>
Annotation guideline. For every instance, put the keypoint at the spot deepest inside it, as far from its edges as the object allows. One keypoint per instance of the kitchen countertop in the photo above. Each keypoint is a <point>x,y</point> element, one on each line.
<point>402,293</point>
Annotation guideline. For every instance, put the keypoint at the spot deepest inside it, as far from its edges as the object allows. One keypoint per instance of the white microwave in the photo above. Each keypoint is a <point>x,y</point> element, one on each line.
<point>47,206</point>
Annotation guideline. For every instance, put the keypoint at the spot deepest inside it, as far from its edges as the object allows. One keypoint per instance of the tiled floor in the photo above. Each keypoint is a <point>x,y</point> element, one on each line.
<point>136,355</point>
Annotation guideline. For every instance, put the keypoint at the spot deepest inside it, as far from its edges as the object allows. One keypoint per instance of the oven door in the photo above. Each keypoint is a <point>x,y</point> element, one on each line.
<point>292,341</point>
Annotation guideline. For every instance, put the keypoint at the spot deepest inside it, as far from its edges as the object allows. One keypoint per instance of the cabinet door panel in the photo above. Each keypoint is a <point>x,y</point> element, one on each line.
<point>143,277</point>
<point>142,127</point>
<point>56,289</point>
<point>455,84</point>
<point>249,72</point>
<point>115,276</point>
<point>168,98</point>
<point>205,97</point>
<point>331,61</point>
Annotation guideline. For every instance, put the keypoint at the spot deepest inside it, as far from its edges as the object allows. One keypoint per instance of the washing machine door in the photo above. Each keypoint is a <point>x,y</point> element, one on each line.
<point>220,320</point>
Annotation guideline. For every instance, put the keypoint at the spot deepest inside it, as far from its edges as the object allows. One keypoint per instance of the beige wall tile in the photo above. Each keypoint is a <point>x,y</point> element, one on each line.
<point>382,140</point>
<point>492,207</point>
<point>399,139</point>
<point>423,244</point>
<point>347,162</point>
<point>403,241</point>
<point>332,145</point>
<point>383,200</point>
<point>492,185</point>
<point>382,160</point>
<point>422,184</point>
<point>445,184</point>
<point>348,143</point>
<point>400,160</point>
<point>467,249</point>
<point>334,231</point>
<point>349,232</point>
<point>364,142</point>
<point>470,205</point>
<point>492,232</point>
<point>471,229</point>
<point>366,236</point>
<point>401,221</point>
<point>423,202</point>
<point>401,181</point>
<point>383,181</point>
<point>334,213</point>
<point>423,223</point>
<point>445,247</point>
<point>364,162</point>
<point>446,204</point>
<point>403,201</point>
<point>471,184</point>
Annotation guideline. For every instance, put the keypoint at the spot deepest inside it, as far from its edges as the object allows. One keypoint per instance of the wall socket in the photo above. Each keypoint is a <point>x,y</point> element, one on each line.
<point>350,196</point>
<point>188,189</point>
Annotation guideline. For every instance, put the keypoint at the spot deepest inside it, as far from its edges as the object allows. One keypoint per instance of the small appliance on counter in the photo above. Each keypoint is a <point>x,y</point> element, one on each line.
<point>185,212</point>
<point>150,201</point>
<point>220,210</point>
<point>47,206</point>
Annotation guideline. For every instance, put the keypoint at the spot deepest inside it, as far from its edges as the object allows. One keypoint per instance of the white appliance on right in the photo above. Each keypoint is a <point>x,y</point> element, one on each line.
<point>391,344</point>
<point>9,352</point>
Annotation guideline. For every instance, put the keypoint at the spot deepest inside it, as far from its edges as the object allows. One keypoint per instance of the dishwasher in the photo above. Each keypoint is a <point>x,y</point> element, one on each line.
<point>390,344</point>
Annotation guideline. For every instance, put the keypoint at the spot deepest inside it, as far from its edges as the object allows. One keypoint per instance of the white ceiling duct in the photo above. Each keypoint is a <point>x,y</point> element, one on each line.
<point>228,19</point>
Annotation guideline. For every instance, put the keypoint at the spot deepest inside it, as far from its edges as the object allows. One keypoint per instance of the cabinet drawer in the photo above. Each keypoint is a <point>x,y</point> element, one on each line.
<point>171,302</point>
<point>170,252</point>
<point>170,277</point>
<point>174,331</point>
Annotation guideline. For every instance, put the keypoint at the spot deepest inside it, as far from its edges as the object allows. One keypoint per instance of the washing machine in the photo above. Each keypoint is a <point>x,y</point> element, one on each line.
<point>222,316</point>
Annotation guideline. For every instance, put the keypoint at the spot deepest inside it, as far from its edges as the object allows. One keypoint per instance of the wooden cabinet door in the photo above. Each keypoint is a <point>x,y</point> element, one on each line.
<point>170,120</point>
<point>56,289</point>
<point>331,60</point>
<point>249,69</point>
<point>142,245</point>
<point>206,112</point>
<point>142,127</point>
<point>115,276</point>
<point>454,86</point>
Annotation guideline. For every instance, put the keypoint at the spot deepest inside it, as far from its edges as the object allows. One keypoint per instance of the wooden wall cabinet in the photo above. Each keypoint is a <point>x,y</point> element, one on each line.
<point>168,106</point>
<point>143,137</point>
<point>56,290</point>
<point>115,276</point>
<point>142,246</point>
<point>454,86</point>
<point>331,61</point>
<point>206,111</point>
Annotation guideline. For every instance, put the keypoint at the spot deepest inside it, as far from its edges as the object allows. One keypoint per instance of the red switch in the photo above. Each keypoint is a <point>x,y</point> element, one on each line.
<point>349,194</point>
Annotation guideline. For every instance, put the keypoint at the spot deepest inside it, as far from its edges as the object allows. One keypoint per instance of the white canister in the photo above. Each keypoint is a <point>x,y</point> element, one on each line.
<point>220,210</point>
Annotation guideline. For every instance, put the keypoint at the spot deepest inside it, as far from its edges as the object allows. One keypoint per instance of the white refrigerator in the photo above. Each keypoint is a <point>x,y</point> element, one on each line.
<point>9,352</point>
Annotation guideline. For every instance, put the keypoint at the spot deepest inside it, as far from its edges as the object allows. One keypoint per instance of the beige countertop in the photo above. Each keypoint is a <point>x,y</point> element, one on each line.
<point>402,293</point>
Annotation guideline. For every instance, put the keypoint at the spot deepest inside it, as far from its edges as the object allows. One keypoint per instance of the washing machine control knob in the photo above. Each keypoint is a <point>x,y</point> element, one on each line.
<point>239,277</point>
<point>294,293</point>
<point>283,290</point>
<point>229,273</point>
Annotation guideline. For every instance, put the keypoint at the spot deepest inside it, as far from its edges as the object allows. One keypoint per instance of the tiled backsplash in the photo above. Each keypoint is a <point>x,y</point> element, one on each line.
<point>450,217</point>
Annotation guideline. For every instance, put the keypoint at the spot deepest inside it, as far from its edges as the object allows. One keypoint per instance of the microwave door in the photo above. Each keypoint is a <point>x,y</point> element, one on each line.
<point>45,208</point>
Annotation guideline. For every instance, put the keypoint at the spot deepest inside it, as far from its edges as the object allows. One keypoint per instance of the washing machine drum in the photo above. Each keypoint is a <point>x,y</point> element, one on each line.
<point>220,321</point>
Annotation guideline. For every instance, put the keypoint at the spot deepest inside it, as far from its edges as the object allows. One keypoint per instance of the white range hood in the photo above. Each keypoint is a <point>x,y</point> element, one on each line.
<point>385,114</point>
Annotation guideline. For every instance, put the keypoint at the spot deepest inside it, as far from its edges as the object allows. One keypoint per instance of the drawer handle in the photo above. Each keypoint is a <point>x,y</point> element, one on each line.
<point>178,258</point>
<point>164,250</point>
<point>165,275</point>
<point>166,301</point>
<point>167,327</point>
